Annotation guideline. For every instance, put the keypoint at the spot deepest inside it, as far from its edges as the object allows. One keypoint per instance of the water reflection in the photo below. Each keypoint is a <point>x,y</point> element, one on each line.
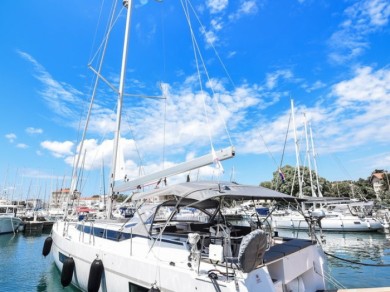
<point>23,268</point>
<point>372,248</point>
<point>42,284</point>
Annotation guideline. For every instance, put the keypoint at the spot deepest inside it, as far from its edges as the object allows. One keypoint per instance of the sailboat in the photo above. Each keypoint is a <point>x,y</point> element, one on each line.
<point>337,214</point>
<point>162,248</point>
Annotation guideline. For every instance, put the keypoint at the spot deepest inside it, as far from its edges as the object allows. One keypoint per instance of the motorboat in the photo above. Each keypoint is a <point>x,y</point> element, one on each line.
<point>9,222</point>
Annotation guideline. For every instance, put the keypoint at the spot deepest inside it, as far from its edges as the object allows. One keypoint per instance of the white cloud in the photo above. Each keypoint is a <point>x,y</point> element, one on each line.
<point>353,116</point>
<point>216,24</point>
<point>231,54</point>
<point>246,8</point>
<point>32,131</point>
<point>65,101</point>
<point>274,77</point>
<point>35,173</point>
<point>315,86</point>
<point>362,18</point>
<point>186,126</point>
<point>210,37</point>
<point>11,137</point>
<point>58,149</point>
<point>376,11</point>
<point>356,116</point>
<point>98,152</point>
<point>60,97</point>
<point>217,6</point>
<point>22,146</point>
<point>367,87</point>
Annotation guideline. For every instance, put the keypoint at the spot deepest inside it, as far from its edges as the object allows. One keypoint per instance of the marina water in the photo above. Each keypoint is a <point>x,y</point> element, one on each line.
<point>23,268</point>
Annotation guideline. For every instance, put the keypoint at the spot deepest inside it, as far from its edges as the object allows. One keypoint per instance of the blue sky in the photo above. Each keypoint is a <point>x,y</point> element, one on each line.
<point>331,57</point>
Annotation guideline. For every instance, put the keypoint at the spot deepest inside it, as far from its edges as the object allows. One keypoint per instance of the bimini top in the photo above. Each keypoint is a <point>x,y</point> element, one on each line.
<point>205,190</point>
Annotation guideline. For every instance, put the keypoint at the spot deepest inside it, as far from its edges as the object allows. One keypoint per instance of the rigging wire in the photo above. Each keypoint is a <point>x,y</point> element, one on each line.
<point>197,52</point>
<point>163,45</point>
<point>338,162</point>
<point>141,163</point>
<point>285,140</point>
<point>197,55</point>
<point>225,70</point>
<point>77,157</point>
<point>268,150</point>
<point>110,25</point>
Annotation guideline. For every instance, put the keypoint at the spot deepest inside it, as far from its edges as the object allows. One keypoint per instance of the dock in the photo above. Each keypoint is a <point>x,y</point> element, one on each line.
<point>33,227</point>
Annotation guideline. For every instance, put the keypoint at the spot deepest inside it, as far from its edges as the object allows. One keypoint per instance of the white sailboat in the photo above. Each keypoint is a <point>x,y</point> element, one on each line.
<point>337,215</point>
<point>162,248</point>
<point>168,252</point>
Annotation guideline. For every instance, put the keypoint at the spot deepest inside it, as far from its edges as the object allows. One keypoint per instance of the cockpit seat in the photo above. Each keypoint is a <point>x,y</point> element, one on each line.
<point>251,252</point>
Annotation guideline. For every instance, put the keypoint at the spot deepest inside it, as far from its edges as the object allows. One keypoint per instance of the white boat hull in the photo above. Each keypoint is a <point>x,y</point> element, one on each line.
<point>346,224</point>
<point>9,224</point>
<point>129,262</point>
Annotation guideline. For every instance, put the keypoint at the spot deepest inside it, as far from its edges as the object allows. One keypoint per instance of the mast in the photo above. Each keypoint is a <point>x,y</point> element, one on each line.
<point>128,5</point>
<point>315,161</point>
<point>313,193</point>
<point>300,195</point>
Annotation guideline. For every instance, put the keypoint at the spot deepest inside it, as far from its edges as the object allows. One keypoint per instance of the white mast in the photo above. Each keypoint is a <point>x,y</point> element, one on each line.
<point>315,161</point>
<point>313,193</point>
<point>300,195</point>
<point>128,4</point>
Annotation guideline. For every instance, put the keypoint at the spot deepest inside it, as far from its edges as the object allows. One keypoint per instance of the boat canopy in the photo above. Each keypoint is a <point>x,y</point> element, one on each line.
<point>204,190</point>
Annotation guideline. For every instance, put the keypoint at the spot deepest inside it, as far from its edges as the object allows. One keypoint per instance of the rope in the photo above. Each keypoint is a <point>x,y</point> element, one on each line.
<point>355,262</point>
<point>213,277</point>
<point>333,281</point>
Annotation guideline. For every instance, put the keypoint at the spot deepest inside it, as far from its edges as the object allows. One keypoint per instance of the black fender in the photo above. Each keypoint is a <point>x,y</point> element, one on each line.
<point>95,275</point>
<point>47,246</point>
<point>67,272</point>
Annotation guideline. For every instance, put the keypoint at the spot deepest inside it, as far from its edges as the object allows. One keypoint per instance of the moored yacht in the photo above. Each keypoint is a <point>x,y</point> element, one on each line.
<point>338,215</point>
<point>181,241</point>
<point>9,222</point>
<point>172,254</point>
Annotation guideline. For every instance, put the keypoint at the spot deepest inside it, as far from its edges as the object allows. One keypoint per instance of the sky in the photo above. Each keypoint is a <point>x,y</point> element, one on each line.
<point>225,73</point>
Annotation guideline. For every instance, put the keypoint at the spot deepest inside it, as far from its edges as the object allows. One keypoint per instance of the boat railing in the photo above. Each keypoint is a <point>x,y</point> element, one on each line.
<point>91,232</point>
<point>131,241</point>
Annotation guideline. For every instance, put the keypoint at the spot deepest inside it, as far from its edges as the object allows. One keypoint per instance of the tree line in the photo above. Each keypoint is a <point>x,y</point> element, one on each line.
<point>285,180</point>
